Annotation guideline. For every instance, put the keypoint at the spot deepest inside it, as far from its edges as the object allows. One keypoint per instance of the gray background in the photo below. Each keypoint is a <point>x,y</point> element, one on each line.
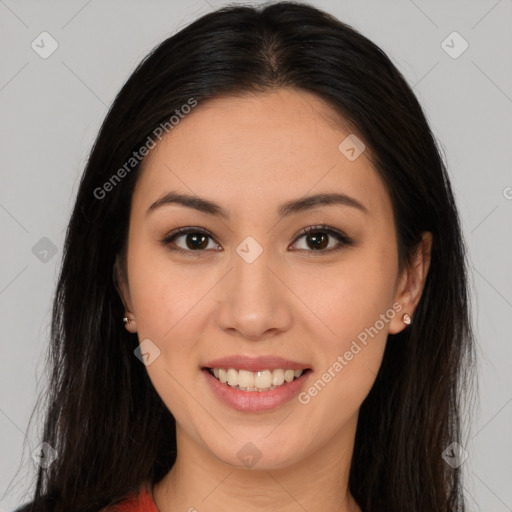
<point>51,110</point>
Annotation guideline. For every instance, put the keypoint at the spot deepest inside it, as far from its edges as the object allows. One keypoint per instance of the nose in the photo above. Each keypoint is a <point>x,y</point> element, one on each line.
<point>254,302</point>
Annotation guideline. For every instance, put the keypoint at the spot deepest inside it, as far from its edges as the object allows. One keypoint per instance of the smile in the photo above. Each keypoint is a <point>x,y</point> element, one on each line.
<point>264,380</point>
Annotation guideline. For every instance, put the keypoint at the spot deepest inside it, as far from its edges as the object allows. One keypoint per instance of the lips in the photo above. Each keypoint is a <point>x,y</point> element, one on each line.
<point>256,401</point>
<point>255,364</point>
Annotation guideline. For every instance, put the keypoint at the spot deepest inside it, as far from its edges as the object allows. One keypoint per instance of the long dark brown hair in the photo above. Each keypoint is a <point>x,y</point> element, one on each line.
<point>111,430</point>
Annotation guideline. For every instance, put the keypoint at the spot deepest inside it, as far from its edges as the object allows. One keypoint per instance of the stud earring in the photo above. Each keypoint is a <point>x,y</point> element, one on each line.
<point>406,319</point>
<point>127,320</point>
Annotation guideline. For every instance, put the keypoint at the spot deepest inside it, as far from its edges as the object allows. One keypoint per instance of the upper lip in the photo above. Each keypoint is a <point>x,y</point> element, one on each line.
<point>256,363</point>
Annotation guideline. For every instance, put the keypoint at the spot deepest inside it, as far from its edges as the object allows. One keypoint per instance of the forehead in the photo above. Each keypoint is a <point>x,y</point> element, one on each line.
<point>278,145</point>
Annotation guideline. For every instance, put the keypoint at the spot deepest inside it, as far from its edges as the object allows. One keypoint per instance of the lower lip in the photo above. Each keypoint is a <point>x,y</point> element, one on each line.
<point>255,401</point>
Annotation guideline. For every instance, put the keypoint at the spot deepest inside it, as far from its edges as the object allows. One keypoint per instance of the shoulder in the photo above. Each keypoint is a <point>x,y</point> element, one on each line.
<point>141,501</point>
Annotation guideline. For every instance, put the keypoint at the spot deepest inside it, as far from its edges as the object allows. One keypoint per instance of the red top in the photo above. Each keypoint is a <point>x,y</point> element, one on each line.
<point>136,502</point>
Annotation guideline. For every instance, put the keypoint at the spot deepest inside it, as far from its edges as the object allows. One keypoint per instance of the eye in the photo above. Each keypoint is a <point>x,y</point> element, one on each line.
<point>196,240</point>
<point>317,239</point>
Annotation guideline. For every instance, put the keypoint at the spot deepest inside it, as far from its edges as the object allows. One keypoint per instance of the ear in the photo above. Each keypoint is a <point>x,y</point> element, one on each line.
<point>412,282</point>
<point>121,284</point>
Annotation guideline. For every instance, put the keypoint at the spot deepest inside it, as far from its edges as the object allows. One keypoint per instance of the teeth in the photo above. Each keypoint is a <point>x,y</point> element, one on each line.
<point>264,380</point>
<point>232,377</point>
<point>246,379</point>
<point>277,377</point>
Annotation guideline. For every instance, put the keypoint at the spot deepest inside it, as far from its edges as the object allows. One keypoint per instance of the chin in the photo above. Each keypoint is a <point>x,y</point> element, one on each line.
<point>261,454</point>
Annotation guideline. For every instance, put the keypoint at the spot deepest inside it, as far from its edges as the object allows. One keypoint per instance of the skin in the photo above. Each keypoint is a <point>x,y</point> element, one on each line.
<point>250,154</point>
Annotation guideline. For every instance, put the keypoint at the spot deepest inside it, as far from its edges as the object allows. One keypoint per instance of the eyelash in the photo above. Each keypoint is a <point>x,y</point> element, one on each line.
<point>344,240</point>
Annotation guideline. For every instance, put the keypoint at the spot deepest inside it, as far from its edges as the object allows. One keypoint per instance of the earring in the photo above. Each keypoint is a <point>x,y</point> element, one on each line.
<point>406,319</point>
<point>127,320</point>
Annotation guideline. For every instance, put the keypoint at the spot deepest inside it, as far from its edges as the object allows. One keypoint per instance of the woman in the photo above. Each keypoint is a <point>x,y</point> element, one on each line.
<point>263,301</point>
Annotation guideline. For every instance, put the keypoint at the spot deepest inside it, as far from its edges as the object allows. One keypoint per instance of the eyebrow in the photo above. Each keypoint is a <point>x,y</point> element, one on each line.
<point>286,209</point>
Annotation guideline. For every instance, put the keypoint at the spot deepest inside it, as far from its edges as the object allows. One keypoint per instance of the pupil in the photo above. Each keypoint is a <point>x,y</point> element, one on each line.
<point>195,238</point>
<point>322,238</point>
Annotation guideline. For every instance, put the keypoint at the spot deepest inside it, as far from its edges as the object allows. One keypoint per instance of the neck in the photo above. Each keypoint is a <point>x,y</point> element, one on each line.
<point>200,482</point>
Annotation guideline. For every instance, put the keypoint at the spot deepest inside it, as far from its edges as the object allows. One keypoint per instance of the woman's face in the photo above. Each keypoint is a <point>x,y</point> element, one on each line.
<point>258,287</point>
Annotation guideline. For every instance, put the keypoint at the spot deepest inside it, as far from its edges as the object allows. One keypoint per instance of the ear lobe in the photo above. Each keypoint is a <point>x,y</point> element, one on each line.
<point>412,281</point>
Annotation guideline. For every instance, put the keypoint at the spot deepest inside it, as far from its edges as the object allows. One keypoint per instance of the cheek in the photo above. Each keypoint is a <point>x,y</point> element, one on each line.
<point>351,295</point>
<point>354,302</point>
<point>162,293</point>
<point>166,303</point>
<point>357,313</point>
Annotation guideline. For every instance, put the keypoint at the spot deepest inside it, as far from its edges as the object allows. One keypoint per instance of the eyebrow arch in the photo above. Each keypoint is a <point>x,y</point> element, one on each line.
<point>284,210</point>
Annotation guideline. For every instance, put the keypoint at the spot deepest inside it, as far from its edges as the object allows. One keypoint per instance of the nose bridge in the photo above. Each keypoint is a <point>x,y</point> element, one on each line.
<point>252,278</point>
<point>253,302</point>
